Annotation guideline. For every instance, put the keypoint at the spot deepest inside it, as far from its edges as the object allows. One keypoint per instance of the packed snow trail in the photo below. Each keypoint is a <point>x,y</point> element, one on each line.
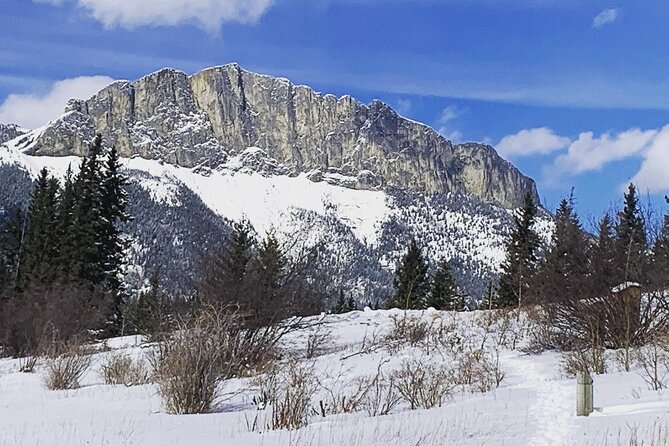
<point>552,412</point>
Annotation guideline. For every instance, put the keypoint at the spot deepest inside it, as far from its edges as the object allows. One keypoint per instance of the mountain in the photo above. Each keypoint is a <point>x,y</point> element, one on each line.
<point>219,112</point>
<point>225,144</point>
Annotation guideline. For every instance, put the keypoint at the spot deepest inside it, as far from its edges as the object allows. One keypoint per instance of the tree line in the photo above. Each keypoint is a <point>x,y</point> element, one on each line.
<point>62,258</point>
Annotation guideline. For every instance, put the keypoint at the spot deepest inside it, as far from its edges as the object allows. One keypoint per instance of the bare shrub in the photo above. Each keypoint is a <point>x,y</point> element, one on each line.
<point>123,369</point>
<point>591,360</point>
<point>343,396</point>
<point>291,408</point>
<point>192,363</point>
<point>479,369</point>
<point>408,330</point>
<point>382,395</point>
<point>65,365</point>
<point>422,384</point>
<point>27,364</point>
<point>317,342</point>
<point>653,360</point>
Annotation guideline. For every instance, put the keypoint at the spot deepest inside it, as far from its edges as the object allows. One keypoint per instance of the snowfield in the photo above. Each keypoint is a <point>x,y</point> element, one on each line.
<point>534,404</point>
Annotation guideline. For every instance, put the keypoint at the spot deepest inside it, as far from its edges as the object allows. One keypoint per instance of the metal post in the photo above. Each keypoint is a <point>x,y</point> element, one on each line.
<point>584,398</point>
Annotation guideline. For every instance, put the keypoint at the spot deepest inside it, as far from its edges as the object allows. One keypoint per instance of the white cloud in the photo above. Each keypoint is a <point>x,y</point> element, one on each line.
<point>208,14</point>
<point>445,123</point>
<point>652,175</point>
<point>590,152</point>
<point>537,141</point>
<point>606,17</point>
<point>403,106</point>
<point>34,110</point>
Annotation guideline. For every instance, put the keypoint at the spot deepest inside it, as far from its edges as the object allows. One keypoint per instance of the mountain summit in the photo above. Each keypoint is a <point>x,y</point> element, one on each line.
<point>220,112</point>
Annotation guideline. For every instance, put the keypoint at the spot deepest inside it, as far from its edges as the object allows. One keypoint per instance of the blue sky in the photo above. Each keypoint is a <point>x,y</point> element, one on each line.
<point>575,93</point>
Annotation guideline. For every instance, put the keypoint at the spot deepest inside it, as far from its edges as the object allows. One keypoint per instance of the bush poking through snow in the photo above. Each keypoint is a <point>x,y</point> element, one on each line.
<point>65,365</point>
<point>591,360</point>
<point>317,342</point>
<point>190,365</point>
<point>423,385</point>
<point>291,399</point>
<point>27,364</point>
<point>382,395</point>
<point>653,360</point>
<point>122,369</point>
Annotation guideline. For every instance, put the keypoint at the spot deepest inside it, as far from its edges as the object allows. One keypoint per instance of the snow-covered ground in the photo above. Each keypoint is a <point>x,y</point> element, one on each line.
<point>534,405</point>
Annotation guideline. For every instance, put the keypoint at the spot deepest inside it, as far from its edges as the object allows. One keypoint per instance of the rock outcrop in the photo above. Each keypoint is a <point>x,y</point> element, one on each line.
<point>9,132</point>
<point>222,111</point>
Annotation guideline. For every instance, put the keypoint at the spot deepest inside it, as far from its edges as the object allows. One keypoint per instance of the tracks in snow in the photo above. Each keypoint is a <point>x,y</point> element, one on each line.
<point>553,408</point>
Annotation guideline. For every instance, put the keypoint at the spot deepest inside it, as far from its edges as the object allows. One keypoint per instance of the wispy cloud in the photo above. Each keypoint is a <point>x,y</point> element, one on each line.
<point>34,110</point>
<point>403,106</point>
<point>606,17</point>
<point>445,123</point>
<point>208,14</point>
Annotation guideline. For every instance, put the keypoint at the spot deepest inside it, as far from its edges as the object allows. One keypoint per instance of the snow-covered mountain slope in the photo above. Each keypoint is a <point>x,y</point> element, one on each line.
<point>534,405</point>
<point>365,231</point>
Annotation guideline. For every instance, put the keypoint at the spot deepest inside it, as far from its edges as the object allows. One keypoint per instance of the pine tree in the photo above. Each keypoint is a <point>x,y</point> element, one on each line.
<point>12,239</point>
<point>603,259</point>
<point>114,201</point>
<point>631,241</point>
<point>564,273</point>
<point>270,264</point>
<point>340,306</point>
<point>40,259</point>
<point>521,258</point>
<point>149,311</point>
<point>411,281</point>
<point>660,274</point>
<point>444,293</point>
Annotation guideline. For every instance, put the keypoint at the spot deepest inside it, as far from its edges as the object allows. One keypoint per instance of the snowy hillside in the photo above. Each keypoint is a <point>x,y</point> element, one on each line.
<point>365,231</point>
<point>533,405</point>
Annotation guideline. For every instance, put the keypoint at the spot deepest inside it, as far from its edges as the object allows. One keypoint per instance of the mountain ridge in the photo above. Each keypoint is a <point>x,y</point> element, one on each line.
<point>218,112</point>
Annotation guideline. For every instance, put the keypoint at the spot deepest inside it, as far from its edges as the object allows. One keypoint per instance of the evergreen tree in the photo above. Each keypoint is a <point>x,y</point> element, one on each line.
<point>12,239</point>
<point>631,241</point>
<point>270,264</point>
<point>40,258</point>
<point>603,259</point>
<point>411,281</point>
<point>444,293</point>
<point>149,311</point>
<point>344,305</point>
<point>489,300</point>
<point>660,276</point>
<point>564,273</point>
<point>521,258</point>
<point>114,201</point>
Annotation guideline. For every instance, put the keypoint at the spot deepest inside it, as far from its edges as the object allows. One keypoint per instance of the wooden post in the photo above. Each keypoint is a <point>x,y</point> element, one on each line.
<point>584,399</point>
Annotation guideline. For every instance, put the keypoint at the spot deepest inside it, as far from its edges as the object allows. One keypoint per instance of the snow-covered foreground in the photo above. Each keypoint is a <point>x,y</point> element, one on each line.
<point>534,405</point>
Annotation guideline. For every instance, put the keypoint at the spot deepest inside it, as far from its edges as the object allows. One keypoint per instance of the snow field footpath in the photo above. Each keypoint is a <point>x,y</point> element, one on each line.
<point>533,405</point>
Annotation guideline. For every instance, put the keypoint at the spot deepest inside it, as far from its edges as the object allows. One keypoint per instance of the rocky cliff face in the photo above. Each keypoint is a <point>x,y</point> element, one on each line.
<point>10,131</point>
<point>204,118</point>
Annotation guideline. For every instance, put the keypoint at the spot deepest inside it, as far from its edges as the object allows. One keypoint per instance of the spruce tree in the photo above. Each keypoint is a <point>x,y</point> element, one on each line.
<point>521,258</point>
<point>660,272</point>
<point>564,273</point>
<point>12,239</point>
<point>150,305</point>
<point>40,259</point>
<point>603,259</point>
<point>631,241</point>
<point>270,264</point>
<point>444,293</point>
<point>411,281</point>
